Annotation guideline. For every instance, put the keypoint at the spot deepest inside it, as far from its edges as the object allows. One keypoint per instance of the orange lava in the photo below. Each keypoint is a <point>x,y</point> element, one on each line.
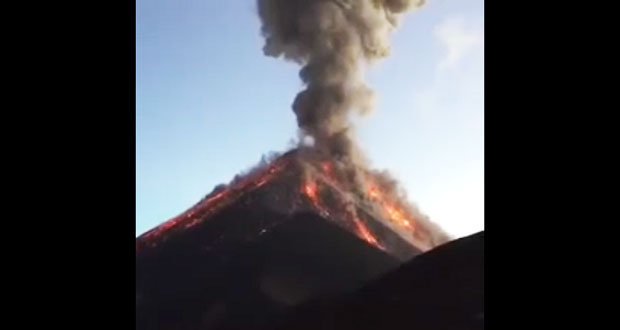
<point>365,233</point>
<point>310,189</point>
<point>395,214</point>
<point>213,203</point>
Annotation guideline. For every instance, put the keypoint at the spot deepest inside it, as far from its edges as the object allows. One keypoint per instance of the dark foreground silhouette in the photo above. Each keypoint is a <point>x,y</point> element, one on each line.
<point>441,289</point>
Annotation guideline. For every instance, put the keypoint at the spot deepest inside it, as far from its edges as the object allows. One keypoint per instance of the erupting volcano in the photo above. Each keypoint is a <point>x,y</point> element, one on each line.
<point>333,40</point>
<point>311,223</point>
<point>304,181</point>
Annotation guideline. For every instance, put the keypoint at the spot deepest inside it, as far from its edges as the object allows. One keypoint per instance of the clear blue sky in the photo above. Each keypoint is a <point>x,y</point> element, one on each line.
<point>209,105</point>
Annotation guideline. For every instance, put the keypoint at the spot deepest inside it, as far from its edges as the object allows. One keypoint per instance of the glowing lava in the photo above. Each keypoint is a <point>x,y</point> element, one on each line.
<point>313,187</point>
<point>217,201</point>
<point>365,234</point>
<point>310,189</point>
<point>395,214</point>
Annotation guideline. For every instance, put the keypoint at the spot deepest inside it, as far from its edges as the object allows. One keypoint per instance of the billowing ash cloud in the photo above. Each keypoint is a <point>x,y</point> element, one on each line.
<point>333,40</point>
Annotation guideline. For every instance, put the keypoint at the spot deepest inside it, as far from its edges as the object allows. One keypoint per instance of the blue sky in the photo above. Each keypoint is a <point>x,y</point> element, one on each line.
<point>209,105</point>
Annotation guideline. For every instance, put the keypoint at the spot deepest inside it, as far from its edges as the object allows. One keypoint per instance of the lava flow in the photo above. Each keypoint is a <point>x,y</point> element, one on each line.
<point>395,214</point>
<point>364,233</point>
<point>217,201</point>
<point>326,188</point>
<point>310,189</point>
<point>392,211</point>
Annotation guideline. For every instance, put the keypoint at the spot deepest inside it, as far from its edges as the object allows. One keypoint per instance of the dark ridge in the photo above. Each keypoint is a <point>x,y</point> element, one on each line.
<point>440,290</point>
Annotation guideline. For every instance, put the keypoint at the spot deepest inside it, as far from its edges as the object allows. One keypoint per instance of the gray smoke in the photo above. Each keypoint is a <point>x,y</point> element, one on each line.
<point>333,40</point>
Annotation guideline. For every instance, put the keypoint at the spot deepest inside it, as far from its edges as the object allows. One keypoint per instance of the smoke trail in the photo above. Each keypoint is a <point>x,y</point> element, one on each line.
<point>333,40</point>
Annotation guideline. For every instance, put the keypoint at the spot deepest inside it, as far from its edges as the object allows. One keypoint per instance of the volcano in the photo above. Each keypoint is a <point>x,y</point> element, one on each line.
<point>286,233</point>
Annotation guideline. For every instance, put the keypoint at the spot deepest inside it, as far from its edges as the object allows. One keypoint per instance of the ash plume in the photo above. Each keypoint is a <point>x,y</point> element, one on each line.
<point>333,40</point>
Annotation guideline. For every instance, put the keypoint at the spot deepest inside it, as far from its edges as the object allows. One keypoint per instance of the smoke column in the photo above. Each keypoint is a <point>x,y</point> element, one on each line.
<point>333,40</point>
